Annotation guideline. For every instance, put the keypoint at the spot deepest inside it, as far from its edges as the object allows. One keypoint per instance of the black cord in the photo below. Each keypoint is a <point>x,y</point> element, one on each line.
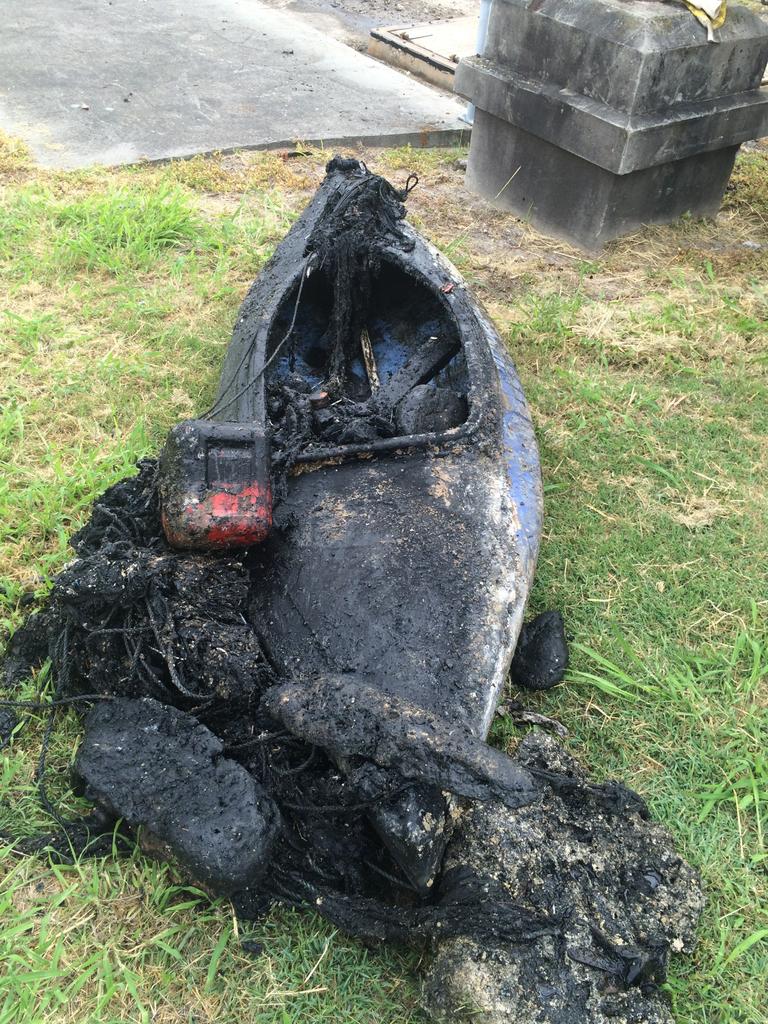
<point>217,407</point>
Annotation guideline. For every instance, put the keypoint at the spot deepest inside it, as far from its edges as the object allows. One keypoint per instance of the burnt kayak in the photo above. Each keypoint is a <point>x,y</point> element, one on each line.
<point>392,430</point>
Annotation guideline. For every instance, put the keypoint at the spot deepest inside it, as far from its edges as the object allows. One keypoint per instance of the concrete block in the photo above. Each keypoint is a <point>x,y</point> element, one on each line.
<point>598,116</point>
<point>570,198</point>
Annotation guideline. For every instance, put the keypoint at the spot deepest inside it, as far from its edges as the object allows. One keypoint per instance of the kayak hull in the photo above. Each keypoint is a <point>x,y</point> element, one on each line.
<point>407,561</point>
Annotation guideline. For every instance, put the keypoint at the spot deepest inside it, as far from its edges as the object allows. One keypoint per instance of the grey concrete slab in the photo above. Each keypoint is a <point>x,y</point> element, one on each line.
<point>638,56</point>
<point>611,138</point>
<point>118,81</point>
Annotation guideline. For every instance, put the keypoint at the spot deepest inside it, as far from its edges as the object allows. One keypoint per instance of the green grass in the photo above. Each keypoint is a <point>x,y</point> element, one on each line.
<point>647,375</point>
<point>127,228</point>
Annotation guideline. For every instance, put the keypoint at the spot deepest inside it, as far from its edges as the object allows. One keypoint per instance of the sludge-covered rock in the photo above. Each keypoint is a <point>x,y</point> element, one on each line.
<point>541,656</point>
<point>159,768</point>
<point>625,899</point>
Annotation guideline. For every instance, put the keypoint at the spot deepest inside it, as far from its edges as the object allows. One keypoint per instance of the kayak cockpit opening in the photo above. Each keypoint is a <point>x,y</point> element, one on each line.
<point>395,368</point>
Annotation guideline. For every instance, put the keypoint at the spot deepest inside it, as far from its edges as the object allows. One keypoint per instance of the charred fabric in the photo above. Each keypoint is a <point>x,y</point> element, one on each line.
<point>261,786</point>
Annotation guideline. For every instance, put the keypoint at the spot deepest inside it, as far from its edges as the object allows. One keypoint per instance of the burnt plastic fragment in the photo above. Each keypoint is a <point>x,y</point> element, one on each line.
<point>541,655</point>
<point>433,356</point>
<point>427,409</point>
<point>348,718</point>
<point>319,399</point>
<point>157,767</point>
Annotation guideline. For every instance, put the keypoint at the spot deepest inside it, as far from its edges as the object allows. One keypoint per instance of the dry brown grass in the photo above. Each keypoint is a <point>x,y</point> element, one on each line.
<point>15,157</point>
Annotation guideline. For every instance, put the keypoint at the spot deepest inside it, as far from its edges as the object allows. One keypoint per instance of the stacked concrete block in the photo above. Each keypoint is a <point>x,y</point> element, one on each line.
<point>597,116</point>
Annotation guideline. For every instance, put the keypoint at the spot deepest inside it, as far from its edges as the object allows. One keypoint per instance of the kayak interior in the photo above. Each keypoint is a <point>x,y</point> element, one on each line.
<point>407,376</point>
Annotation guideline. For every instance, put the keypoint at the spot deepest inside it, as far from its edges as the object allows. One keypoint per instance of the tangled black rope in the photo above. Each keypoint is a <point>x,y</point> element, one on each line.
<point>220,405</point>
<point>348,241</point>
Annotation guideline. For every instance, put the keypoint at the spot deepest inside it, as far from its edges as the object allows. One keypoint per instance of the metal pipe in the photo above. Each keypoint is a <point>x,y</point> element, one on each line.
<point>482,35</point>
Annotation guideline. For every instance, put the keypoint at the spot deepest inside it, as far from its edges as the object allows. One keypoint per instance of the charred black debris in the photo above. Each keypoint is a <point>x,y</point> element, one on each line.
<point>262,785</point>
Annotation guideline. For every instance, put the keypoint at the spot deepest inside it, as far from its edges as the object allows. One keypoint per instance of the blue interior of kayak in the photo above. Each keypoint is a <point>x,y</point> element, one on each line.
<point>403,315</point>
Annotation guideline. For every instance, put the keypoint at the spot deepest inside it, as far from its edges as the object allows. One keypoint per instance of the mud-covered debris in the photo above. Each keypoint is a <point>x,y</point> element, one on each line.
<point>523,716</point>
<point>159,768</point>
<point>132,617</point>
<point>541,656</point>
<point>427,409</point>
<point>8,722</point>
<point>416,825</point>
<point>27,649</point>
<point>464,904</point>
<point>626,899</point>
<point>348,718</point>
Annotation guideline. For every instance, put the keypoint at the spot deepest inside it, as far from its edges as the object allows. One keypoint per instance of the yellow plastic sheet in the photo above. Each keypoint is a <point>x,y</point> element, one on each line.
<point>711,14</point>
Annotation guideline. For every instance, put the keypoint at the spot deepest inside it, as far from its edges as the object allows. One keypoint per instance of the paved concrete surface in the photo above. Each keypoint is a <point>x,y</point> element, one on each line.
<point>117,81</point>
